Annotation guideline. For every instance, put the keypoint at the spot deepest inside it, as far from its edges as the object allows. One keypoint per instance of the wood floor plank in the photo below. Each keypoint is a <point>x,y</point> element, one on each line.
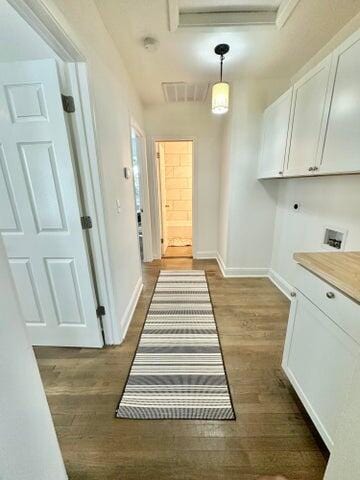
<point>271,435</point>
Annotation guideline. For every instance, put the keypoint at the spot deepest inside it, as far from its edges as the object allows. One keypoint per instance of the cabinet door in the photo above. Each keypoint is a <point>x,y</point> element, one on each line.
<point>319,360</point>
<point>274,138</point>
<point>342,141</point>
<point>309,107</point>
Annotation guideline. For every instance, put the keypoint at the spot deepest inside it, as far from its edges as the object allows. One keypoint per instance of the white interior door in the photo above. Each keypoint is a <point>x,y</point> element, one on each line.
<point>39,211</point>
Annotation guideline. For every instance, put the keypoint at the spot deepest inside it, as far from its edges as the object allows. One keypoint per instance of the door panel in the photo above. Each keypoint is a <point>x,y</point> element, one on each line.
<point>26,102</point>
<point>65,290</point>
<point>309,108</point>
<point>9,217</point>
<point>275,131</point>
<point>39,210</point>
<point>42,181</point>
<point>28,294</point>
<point>342,142</point>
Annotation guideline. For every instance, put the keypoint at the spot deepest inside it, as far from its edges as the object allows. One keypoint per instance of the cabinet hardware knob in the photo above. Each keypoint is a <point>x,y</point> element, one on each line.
<point>311,169</point>
<point>280,173</point>
<point>292,294</point>
<point>315,168</point>
<point>330,294</point>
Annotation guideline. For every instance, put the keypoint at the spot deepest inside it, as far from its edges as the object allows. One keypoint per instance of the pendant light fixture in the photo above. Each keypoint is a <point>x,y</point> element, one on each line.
<point>220,90</point>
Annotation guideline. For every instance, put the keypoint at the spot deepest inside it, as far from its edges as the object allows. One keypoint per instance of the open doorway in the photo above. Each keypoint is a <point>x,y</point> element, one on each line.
<point>141,192</point>
<point>175,176</point>
<point>135,158</point>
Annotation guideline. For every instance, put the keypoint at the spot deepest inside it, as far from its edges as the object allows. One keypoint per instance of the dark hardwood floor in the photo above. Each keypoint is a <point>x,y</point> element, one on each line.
<point>271,434</point>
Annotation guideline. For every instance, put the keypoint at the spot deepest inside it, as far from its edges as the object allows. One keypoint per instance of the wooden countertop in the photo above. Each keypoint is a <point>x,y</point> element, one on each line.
<point>340,269</point>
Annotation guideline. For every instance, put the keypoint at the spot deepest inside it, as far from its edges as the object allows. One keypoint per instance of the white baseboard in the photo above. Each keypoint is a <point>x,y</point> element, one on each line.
<point>205,254</point>
<point>129,312</point>
<point>281,283</point>
<point>231,272</point>
<point>276,279</point>
<point>221,264</point>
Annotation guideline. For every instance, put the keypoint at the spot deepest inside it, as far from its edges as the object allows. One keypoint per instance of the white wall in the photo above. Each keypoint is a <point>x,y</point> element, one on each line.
<point>115,100</point>
<point>29,448</point>
<point>247,207</point>
<point>186,121</point>
<point>323,201</point>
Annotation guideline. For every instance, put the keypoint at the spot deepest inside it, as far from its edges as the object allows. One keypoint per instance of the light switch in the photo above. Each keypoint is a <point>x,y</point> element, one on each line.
<point>127,172</point>
<point>118,206</point>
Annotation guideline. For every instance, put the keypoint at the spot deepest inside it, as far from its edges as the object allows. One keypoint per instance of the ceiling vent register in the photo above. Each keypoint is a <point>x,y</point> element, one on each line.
<point>180,92</point>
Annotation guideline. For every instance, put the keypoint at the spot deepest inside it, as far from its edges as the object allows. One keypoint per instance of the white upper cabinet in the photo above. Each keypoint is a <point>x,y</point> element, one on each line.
<point>341,151</point>
<point>274,137</point>
<point>311,99</point>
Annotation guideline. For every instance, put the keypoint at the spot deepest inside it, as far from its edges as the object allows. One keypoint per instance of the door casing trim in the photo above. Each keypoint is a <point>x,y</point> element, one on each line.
<point>147,227</point>
<point>156,191</point>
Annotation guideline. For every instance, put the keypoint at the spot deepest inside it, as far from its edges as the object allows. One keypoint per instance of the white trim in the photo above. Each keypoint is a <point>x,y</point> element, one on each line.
<point>130,309</point>
<point>221,263</point>
<point>145,195</point>
<point>156,190</point>
<point>213,19</point>
<point>285,11</point>
<point>39,17</point>
<point>85,139</point>
<point>281,283</point>
<point>274,277</point>
<point>173,14</point>
<point>205,254</point>
<point>232,272</point>
<point>45,22</point>
<point>216,19</point>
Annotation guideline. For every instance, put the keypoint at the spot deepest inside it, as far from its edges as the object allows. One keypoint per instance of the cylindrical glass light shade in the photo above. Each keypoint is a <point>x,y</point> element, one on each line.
<point>220,97</point>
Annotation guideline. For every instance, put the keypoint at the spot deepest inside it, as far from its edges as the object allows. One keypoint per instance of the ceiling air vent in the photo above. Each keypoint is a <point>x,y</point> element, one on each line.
<point>211,14</point>
<point>185,92</point>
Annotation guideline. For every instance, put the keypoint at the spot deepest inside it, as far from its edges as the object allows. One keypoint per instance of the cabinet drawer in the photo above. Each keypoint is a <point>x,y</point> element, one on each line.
<point>341,309</point>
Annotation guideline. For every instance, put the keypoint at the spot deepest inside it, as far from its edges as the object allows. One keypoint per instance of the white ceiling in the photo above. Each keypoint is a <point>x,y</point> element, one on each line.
<point>187,55</point>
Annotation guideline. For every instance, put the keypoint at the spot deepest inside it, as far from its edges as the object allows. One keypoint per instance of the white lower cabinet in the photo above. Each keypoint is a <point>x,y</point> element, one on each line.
<point>319,359</point>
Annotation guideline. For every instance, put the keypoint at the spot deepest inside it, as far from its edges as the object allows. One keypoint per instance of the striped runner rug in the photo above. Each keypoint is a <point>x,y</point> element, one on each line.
<point>178,370</point>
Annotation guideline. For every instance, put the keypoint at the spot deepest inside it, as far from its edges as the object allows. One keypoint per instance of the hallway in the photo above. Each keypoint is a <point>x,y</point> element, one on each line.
<point>270,435</point>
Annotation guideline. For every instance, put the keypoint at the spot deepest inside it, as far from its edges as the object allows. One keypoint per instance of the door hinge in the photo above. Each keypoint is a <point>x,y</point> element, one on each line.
<point>158,155</point>
<point>86,222</point>
<point>68,103</point>
<point>162,240</point>
<point>100,311</point>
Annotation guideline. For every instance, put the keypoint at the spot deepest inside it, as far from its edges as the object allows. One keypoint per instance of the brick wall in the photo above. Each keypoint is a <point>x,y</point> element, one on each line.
<point>178,183</point>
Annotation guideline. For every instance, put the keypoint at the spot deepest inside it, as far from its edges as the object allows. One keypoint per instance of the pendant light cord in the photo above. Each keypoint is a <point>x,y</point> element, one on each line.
<point>221,67</point>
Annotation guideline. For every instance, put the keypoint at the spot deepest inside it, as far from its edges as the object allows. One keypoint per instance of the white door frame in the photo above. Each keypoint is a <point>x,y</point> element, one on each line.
<point>145,196</point>
<point>156,191</point>
<point>37,15</point>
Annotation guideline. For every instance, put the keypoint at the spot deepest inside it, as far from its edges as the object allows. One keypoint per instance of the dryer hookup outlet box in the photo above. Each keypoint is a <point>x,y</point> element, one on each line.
<point>334,238</point>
